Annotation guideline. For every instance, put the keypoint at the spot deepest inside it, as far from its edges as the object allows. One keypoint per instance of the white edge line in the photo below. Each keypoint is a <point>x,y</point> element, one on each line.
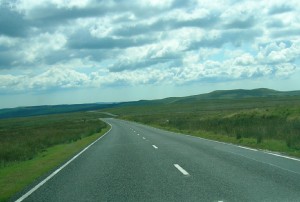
<point>59,169</point>
<point>287,157</point>
<point>181,170</point>
<point>225,143</point>
<point>248,148</point>
<point>270,164</point>
<point>155,147</point>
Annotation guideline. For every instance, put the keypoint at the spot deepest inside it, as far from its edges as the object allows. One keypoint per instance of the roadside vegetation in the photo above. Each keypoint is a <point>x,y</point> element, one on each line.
<point>31,147</point>
<point>265,123</point>
<point>23,138</point>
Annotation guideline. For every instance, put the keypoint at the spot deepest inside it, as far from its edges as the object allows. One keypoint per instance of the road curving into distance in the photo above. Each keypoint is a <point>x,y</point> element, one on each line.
<point>134,162</point>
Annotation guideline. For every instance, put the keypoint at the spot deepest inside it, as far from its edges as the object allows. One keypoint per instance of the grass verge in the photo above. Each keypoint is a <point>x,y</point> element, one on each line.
<point>267,144</point>
<point>16,176</point>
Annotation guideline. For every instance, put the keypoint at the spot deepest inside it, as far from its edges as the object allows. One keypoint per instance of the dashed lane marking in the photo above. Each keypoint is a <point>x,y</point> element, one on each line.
<point>184,172</point>
<point>155,147</point>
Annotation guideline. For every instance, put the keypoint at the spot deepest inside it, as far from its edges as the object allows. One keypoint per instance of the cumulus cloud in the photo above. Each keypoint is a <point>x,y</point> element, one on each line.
<point>279,52</point>
<point>90,43</point>
<point>52,78</point>
<point>58,78</point>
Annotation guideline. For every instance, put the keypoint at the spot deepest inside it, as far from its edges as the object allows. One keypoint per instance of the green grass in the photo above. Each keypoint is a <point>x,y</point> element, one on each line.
<point>17,175</point>
<point>30,147</point>
<point>264,123</point>
<point>23,138</point>
<point>267,144</point>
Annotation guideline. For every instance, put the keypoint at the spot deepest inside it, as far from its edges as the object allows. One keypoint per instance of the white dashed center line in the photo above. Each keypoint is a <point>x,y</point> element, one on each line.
<point>155,147</point>
<point>181,170</point>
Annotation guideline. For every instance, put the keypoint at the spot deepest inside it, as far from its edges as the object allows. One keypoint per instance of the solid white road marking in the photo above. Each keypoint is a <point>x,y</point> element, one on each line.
<point>59,169</point>
<point>155,147</point>
<point>287,157</point>
<point>248,148</point>
<point>181,169</point>
<point>264,162</point>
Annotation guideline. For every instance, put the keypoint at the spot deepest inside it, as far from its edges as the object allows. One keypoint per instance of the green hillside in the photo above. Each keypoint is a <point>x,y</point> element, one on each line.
<point>259,118</point>
<point>50,109</point>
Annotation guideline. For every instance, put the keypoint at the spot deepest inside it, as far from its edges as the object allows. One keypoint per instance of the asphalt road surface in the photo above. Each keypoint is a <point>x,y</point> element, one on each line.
<point>134,162</point>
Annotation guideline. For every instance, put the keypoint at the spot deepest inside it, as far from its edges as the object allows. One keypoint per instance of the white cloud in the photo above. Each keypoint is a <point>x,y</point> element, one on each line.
<point>147,42</point>
<point>8,81</point>
<point>155,3</point>
<point>27,5</point>
<point>64,78</point>
<point>279,52</point>
<point>284,69</point>
<point>39,46</point>
<point>244,60</point>
<point>8,41</point>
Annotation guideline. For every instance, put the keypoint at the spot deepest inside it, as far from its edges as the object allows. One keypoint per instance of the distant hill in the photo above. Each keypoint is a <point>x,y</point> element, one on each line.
<point>218,94</point>
<point>215,95</point>
<point>237,94</point>
<point>50,109</point>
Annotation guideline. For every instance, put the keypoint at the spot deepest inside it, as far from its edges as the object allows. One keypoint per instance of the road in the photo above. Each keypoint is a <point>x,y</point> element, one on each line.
<point>134,162</point>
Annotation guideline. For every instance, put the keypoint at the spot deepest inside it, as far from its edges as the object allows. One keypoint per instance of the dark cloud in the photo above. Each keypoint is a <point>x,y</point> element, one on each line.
<point>165,25</point>
<point>181,4</point>
<point>132,30</point>
<point>83,40</point>
<point>285,32</point>
<point>275,24</point>
<point>277,9</point>
<point>246,23</point>
<point>235,37</point>
<point>207,22</point>
<point>12,23</point>
<point>238,37</point>
<point>56,57</point>
<point>52,15</point>
<point>7,60</point>
<point>62,56</point>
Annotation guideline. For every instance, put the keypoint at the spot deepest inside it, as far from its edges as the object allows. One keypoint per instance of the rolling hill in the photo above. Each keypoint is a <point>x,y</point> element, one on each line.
<point>215,95</point>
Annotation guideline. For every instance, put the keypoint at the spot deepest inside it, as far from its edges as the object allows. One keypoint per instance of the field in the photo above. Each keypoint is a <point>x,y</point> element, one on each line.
<point>271,123</point>
<point>31,147</point>
<point>23,138</point>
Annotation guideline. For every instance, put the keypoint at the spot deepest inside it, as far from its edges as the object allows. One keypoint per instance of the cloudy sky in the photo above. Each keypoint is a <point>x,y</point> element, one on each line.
<point>81,51</point>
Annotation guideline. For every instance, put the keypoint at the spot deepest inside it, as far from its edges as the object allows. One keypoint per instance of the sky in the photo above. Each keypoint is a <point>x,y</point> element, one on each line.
<point>85,51</point>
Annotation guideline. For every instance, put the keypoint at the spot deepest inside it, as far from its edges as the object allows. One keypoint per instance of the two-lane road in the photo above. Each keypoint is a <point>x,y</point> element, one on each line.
<point>134,162</point>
